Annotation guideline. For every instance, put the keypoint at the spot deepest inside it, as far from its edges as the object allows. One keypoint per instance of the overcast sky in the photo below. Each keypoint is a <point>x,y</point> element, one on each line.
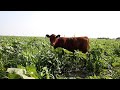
<point>69,23</point>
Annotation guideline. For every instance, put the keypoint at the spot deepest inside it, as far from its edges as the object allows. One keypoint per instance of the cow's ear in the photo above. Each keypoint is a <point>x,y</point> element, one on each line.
<point>57,36</point>
<point>47,35</point>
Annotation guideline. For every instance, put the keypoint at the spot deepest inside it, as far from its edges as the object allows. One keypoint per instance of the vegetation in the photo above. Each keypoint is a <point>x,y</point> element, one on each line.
<point>33,57</point>
<point>118,38</point>
<point>103,38</point>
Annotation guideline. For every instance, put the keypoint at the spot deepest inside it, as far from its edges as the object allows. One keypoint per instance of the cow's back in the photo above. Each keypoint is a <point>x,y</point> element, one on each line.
<point>73,43</point>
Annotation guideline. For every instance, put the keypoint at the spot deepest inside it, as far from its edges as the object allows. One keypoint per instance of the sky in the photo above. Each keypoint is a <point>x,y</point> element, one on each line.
<point>66,23</point>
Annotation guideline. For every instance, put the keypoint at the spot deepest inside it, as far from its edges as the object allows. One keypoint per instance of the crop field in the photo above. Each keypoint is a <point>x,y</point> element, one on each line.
<point>35,58</point>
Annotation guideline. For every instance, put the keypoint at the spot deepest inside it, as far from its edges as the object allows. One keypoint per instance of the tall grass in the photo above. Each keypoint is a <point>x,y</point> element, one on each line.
<point>44,62</point>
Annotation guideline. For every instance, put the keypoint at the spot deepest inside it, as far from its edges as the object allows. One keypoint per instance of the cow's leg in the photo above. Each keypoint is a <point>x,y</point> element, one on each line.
<point>84,51</point>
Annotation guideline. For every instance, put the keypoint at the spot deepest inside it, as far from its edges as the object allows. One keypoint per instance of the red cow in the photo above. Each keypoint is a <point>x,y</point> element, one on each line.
<point>71,44</point>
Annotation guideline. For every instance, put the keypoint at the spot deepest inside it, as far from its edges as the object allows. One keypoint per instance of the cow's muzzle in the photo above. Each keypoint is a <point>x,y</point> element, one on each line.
<point>52,44</point>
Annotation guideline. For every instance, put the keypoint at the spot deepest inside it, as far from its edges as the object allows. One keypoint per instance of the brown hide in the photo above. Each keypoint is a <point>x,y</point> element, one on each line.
<point>71,43</point>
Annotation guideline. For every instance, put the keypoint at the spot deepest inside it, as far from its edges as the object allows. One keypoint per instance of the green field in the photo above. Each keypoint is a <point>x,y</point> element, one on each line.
<point>39,60</point>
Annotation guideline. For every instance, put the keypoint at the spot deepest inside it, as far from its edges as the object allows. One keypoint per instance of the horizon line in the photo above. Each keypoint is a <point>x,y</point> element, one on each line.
<point>44,36</point>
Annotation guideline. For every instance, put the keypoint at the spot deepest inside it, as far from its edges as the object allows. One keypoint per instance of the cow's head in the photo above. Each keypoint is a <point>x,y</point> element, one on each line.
<point>53,38</point>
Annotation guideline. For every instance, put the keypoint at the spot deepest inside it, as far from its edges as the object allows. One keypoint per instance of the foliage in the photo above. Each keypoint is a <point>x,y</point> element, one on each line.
<point>41,61</point>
